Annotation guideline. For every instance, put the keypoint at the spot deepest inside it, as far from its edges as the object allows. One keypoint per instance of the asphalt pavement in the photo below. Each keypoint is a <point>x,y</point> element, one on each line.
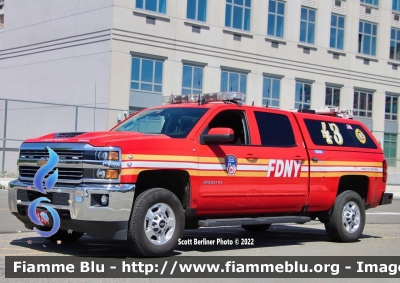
<point>381,237</point>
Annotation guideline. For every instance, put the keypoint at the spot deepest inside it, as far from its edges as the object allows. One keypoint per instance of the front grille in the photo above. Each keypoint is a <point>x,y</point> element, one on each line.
<point>55,198</point>
<point>75,174</point>
<point>62,153</point>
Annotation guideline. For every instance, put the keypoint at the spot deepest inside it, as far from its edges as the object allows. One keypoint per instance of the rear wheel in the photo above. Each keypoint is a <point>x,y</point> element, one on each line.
<point>256,228</point>
<point>67,236</point>
<point>157,222</point>
<point>347,220</point>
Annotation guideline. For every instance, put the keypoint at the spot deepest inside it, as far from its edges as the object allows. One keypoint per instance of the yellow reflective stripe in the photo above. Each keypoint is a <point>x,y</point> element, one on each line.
<point>149,157</point>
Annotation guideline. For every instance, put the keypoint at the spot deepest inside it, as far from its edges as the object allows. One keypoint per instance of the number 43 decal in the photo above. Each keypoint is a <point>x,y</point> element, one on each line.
<point>327,135</point>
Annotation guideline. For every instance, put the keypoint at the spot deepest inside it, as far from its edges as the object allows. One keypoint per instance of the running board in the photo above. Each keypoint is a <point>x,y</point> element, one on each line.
<point>253,221</point>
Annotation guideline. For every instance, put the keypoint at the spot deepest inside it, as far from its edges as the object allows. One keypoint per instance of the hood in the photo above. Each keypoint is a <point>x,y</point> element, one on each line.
<point>95,138</point>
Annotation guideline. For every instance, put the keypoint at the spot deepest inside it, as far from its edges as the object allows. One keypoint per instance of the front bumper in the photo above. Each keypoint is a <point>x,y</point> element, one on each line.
<point>81,212</point>
<point>387,198</point>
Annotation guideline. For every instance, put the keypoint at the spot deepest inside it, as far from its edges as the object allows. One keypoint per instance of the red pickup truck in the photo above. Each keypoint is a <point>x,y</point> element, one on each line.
<point>202,161</point>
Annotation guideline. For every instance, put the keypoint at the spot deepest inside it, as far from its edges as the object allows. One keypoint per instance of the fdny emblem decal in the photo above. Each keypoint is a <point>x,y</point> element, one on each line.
<point>231,165</point>
<point>360,136</point>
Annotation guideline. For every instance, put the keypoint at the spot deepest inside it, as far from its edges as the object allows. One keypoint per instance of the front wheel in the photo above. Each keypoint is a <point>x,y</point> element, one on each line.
<point>157,222</point>
<point>347,220</point>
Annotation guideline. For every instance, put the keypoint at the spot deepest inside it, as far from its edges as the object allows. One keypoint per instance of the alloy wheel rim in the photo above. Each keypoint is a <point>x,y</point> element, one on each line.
<point>159,223</point>
<point>351,217</point>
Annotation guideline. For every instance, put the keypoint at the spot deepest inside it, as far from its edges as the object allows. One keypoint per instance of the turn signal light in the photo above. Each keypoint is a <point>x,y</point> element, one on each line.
<point>113,155</point>
<point>112,174</point>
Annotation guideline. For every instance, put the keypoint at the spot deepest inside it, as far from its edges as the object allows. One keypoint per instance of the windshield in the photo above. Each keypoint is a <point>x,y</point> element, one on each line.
<point>173,122</point>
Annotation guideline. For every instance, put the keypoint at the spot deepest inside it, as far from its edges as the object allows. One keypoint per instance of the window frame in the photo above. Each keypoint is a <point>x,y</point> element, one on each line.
<point>372,4</point>
<point>239,83</point>
<point>396,41</point>
<point>300,104</point>
<point>308,22</point>
<point>196,11</point>
<point>333,95</point>
<point>396,5</point>
<point>157,6</point>
<point>276,15</point>
<point>244,7</point>
<point>192,89</point>
<point>366,110</point>
<point>270,99</point>
<point>337,28</point>
<point>140,82</point>
<point>363,34</point>
<point>392,114</point>
<point>2,13</point>
<point>388,138</point>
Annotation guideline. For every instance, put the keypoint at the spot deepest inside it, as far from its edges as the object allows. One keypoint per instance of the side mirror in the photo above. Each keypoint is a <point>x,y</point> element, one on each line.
<point>219,135</point>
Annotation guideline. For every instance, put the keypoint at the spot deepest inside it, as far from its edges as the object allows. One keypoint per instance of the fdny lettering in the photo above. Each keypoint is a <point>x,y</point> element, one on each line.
<point>284,168</point>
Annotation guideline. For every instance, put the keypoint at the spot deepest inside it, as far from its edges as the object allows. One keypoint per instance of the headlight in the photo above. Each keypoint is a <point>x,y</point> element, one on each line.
<point>107,155</point>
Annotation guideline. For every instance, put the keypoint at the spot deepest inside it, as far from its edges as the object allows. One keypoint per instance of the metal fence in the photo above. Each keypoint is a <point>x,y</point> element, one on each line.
<point>20,120</point>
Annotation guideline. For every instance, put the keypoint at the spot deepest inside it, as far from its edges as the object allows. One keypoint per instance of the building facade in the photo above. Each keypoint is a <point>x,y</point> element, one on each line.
<point>281,53</point>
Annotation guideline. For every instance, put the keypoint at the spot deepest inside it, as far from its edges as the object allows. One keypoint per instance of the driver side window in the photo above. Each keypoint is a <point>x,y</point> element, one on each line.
<point>236,120</point>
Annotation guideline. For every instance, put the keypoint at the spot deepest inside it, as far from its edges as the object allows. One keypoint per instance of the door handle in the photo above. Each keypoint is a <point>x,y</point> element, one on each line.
<point>314,159</point>
<point>250,156</point>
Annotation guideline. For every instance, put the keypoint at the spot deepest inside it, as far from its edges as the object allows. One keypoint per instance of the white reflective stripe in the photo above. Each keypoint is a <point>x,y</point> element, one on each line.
<point>345,168</point>
<point>190,165</point>
<point>304,168</point>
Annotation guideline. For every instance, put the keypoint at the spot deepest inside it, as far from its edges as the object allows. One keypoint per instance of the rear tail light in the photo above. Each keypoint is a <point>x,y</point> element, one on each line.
<point>384,167</point>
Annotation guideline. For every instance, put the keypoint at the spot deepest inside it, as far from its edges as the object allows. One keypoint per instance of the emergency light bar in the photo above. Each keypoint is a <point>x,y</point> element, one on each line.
<point>328,111</point>
<point>205,97</point>
<point>338,112</point>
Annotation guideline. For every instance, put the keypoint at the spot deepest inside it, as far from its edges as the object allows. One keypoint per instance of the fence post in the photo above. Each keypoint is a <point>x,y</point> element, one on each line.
<point>4,139</point>
<point>76,118</point>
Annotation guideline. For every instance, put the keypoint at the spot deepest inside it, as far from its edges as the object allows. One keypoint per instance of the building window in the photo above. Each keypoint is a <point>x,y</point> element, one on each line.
<point>362,104</point>
<point>372,2</point>
<point>367,38</point>
<point>390,148</point>
<point>337,32</point>
<point>237,14</point>
<point>196,10</point>
<point>391,107</point>
<point>276,16</point>
<point>159,6</point>
<point>396,5</point>
<point>1,14</point>
<point>192,80</point>
<point>332,96</point>
<point>146,75</point>
<point>303,96</point>
<point>307,25</point>
<point>233,81</point>
<point>271,92</point>
<point>395,44</point>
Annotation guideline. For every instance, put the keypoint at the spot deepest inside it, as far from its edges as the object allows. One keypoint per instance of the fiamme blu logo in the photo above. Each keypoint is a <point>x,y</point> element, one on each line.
<point>50,181</point>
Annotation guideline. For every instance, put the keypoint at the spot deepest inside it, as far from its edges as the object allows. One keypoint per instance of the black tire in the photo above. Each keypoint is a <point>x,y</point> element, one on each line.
<point>138,242</point>
<point>337,223</point>
<point>65,237</point>
<point>256,228</point>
